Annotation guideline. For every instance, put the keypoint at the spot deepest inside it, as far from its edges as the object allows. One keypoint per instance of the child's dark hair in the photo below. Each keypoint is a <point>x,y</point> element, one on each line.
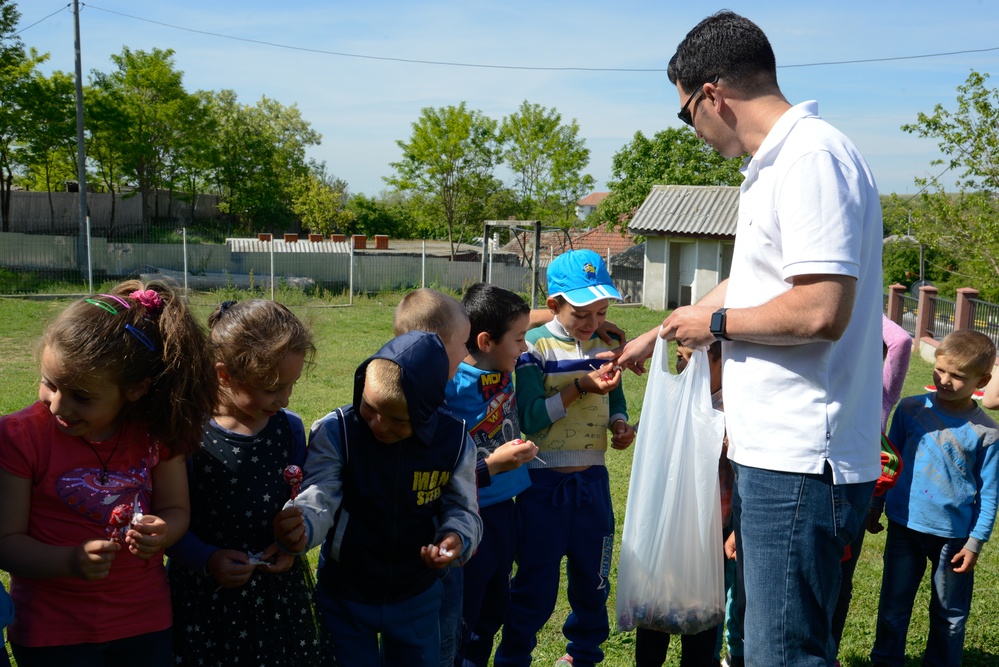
<point>252,337</point>
<point>137,332</point>
<point>492,310</point>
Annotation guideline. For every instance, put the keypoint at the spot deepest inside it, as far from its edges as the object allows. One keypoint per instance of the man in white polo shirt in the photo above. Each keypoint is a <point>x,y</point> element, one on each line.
<point>800,317</point>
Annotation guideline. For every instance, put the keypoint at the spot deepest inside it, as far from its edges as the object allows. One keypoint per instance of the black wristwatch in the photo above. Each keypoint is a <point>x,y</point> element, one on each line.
<point>718,324</point>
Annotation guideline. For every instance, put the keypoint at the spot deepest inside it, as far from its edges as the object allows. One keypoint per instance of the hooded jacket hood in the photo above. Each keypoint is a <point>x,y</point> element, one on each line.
<point>424,363</point>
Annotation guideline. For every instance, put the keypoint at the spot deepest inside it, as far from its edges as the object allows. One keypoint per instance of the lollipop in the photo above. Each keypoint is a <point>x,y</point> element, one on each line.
<point>293,477</point>
<point>118,522</point>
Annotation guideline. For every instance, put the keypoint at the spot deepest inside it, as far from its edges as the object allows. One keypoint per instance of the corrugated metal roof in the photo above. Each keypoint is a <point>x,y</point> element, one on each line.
<point>688,210</point>
<point>279,245</point>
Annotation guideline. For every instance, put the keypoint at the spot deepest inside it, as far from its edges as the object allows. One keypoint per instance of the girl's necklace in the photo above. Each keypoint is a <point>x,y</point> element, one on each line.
<point>104,462</point>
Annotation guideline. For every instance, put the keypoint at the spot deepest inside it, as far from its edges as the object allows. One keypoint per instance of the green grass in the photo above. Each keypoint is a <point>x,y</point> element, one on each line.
<point>347,335</point>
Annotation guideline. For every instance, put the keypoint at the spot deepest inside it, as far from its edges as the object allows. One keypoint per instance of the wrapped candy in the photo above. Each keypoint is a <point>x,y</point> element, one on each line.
<point>119,521</point>
<point>293,477</point>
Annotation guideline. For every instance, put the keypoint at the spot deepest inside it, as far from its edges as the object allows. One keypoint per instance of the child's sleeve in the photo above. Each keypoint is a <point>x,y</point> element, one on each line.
<point>536,410</point>
<point>896,365</point>
<point>618,404</point>
<point>987,476</point>
<point>322,487</point>
<point>460,505</point>
<point>190,550</point>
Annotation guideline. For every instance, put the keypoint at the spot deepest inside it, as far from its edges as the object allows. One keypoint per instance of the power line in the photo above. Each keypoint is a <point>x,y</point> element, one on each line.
<point>657,70</point>
<point>42,19</point>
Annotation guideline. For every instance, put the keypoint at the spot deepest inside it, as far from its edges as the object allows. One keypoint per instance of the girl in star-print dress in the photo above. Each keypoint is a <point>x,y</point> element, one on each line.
<point>237,599</point>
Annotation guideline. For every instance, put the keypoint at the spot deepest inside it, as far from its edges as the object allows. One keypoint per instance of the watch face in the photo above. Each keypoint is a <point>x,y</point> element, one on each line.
<point>716,322</point>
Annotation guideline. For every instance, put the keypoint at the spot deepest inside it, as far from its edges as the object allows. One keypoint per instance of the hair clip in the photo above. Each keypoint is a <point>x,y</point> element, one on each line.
<point>125,304</point>
<point>104,306</point>
<point>143,338</point>
<point>226,305</point>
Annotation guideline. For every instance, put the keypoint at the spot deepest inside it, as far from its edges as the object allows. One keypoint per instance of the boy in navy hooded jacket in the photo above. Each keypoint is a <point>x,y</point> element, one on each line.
<point>389,490</point>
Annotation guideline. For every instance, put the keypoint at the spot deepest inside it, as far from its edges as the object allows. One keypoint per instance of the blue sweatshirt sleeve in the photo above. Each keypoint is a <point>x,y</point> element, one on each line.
<point>984,517</point>
<point>322,487</point>
<point>190,550</point>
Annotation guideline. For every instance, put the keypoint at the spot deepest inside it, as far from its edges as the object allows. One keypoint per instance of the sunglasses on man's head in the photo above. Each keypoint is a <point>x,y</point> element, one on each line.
<point>684,113</point>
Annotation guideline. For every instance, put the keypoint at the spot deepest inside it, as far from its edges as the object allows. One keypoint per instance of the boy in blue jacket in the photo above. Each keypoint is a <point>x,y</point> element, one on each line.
<point>390,485</point>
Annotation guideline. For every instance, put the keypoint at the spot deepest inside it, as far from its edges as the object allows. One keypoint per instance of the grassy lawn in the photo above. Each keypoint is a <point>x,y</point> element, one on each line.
<point>347,335</point>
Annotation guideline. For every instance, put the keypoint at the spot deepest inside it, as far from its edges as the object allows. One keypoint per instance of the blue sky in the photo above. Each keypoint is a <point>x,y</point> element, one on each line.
<point>362,106</point>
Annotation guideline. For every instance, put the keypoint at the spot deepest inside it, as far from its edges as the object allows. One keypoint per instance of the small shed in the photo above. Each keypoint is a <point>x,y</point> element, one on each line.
<point>690,236</point>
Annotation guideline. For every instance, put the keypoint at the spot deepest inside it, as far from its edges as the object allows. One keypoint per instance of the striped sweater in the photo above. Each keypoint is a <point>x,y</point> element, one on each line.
<point>576,436</point>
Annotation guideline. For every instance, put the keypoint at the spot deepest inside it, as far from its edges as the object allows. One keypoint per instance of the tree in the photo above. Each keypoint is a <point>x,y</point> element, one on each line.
<point>547,159</point>
<point>672,157</point>
<point>49,131</point>
<point>151,96</point>
<point>320,200</point>
<point>964,224</point>
<point>257,157</point>
<point>106,121</point>
<point>449,160</point>
<point>16,71</point>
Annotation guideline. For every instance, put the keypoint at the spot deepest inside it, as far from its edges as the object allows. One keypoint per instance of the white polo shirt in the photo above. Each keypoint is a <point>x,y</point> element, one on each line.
<point>808,206</point>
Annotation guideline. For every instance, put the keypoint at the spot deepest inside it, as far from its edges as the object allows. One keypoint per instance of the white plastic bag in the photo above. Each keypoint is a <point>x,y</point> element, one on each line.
<point>671,573</point>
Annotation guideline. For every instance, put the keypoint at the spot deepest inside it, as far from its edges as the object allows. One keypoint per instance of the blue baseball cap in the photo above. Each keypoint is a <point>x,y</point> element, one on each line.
<point>581,277</point>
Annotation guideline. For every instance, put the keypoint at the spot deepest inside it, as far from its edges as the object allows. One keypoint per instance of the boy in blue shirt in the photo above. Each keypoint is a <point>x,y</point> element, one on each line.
<point>943,507</point>
<point>482,394</point>
<point>567,401</point>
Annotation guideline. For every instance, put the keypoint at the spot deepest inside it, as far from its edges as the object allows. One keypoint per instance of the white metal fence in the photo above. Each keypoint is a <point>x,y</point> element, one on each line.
<point>31,263</point>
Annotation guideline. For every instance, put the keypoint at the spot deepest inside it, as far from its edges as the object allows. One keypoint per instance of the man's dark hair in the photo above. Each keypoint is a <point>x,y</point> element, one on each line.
<point>727,46</point>
<point>491,309</point>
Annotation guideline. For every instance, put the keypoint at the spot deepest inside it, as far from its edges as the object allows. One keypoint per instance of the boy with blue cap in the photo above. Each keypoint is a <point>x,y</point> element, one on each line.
<point>567,401</point>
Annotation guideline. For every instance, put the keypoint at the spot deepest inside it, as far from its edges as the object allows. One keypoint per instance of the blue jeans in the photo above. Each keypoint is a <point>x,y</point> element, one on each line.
<point>791,532</point>
<point>154,649</point>
<point>398,634</point>
<point>452,587</point>
<point>905,557</point>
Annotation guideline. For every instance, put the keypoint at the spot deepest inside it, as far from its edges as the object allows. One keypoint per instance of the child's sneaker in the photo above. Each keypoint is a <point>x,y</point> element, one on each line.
<point>564,661</point>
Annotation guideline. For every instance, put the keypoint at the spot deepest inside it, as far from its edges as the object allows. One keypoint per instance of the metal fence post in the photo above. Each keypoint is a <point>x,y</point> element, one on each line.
<point>183,231</point>
<point>423,266</point>
<point>350,281</point>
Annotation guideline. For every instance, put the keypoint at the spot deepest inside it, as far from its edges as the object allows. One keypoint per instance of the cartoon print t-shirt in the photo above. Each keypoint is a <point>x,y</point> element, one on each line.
<point>488,404</point>
<point>71,505</point>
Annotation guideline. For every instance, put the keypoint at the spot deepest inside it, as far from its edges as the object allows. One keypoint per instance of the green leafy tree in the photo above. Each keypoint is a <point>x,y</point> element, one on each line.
<point>547,158</point>
<point>965,223</point>
<point>320,199</point>
<point>257,158</point>
<point>449,161</point>
<point>106,121</point>
<point>49,132</point>
<point>155,106</point>
<point>671,157</point>
<point>17,69</point>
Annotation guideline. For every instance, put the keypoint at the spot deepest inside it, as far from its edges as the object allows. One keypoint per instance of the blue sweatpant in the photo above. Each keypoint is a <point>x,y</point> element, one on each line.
<point>487,583</point>
<point>561,515</point>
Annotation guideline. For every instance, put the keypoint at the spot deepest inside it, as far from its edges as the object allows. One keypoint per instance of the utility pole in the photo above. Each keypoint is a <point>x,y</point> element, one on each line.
<point>83,228</point>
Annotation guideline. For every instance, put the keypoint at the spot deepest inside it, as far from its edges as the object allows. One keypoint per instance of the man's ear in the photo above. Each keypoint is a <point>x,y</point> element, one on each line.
<point>138,390</point>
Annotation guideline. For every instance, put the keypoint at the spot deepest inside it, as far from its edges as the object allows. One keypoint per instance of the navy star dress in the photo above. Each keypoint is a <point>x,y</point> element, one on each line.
<point>236,488</point>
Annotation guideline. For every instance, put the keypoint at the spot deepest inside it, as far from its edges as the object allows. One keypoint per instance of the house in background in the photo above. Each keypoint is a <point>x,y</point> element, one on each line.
<point>589,203</point>
<point>689,237</point>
